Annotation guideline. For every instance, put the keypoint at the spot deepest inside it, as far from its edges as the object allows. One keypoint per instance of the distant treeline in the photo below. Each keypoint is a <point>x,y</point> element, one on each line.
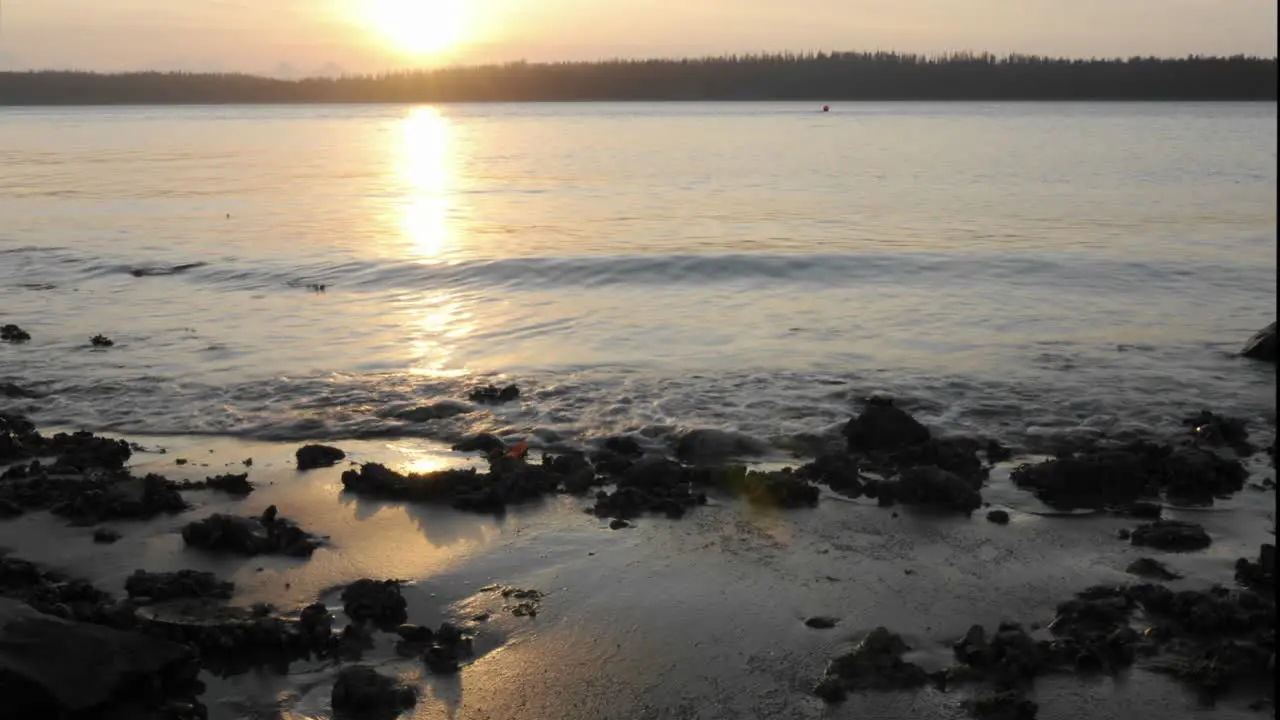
<point>786,76</point>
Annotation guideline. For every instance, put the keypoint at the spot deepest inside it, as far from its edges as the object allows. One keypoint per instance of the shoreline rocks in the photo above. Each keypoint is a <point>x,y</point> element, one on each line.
<point>159,587</point>
<point>362,692</point>
<point>1262,346</point>
<point>313,457</point>
<point>249,536</point>
<point>1172,535</point>
<point>377,601</point>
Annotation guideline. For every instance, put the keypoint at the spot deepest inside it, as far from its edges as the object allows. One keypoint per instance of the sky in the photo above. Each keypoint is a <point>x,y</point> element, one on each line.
<point>303,37</point>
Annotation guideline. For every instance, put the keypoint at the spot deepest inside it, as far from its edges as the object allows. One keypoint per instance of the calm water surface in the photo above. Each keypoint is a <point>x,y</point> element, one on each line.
<point>638,267</point>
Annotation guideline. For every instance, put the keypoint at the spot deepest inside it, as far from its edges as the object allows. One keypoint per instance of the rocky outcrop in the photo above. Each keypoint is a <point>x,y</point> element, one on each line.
<point>265,535</point>
<point>1262,346</point>
<point>159,587</point>
<point>363,693</point>
<point>378,601</point>
<point>50,667</point>
<point>311,457</point>
<point>1172,535</point>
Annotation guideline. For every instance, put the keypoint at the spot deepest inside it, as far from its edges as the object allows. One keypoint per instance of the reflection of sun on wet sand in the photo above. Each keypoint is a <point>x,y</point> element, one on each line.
<point>490,583</point>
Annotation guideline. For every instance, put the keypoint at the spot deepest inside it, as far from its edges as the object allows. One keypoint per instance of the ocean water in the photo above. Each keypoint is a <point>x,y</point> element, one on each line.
<point>1025,270</point>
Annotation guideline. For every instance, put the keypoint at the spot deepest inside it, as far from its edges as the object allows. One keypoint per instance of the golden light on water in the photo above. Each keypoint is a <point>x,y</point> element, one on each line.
<point>426,167</point>
<point>419,27</point>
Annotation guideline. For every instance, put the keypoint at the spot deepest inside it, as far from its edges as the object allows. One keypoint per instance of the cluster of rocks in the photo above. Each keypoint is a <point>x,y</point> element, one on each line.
<point>267,534</point>
<point>494,395</point>
<point>1122,476</point>
<point>1215,640</point>
<point>86,498</point>
<point>230,483</point>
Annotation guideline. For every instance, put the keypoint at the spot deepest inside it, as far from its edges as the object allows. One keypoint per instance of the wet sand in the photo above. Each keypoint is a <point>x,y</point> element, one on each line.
<point>701,617</point>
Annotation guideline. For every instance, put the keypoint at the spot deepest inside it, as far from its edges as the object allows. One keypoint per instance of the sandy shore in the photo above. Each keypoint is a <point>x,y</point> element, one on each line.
<point>701,617</point>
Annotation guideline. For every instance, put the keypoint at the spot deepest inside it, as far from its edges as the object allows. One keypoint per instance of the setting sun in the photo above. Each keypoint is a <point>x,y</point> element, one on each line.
<point>419,27</point>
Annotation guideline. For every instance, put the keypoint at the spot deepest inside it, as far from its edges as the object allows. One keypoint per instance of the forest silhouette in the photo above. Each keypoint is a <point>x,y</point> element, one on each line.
<point>785,76</point>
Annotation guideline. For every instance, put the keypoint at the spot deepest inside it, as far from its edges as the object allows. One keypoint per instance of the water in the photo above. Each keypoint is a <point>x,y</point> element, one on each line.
<point>1021,269</point>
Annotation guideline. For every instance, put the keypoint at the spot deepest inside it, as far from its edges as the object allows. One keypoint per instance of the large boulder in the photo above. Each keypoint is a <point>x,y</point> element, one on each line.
<point>1262,346</point>
<point>310,457</point>
<point>884,426</point>
<point>51,667</point>
<point>377,600</point>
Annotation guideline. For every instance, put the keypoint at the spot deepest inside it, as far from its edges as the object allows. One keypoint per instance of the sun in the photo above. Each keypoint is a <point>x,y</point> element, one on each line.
<point>419,27</point>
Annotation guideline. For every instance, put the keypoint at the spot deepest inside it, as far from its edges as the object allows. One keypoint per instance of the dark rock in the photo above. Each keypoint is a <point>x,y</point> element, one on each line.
<point>440,660</point>
<point>780,488</point>
<point>837,471</point>
<point>997,452</point>
<point>379,601</point>
<point>316,621</point>
<point>619,525</point>
<point>1143,510</point>
<point>160,587</point>
<point>415,633</point>
<point>876,664</point>
<point>361,692</point>
<point>493,395</point>
<point>882,426</point>
<point>13,392</point>
<point>231,484</point>
<point>105,536</point>
<point>1173,535</point>
<point>1260,575</point>
<point>311,457</point>
<point>250,536</point>
<point>51,667</point>
<point>1150,568</point>
<point>1262,346</point>
<point>1219,430</point>
<point>821,622</point>
<point>89,498</point>
<point>1008,705</point>
<point>14,334</point>
<point>999,517</point>
<point>624,446</point>
<point>830,689</point>
<point>269,515</point>
<point>1122,475</point>
<point>938,488</point>
<point>101,341</point>
<point>482,443</point>
<point>510,480</point>
<point>52,593</point>
<point>575,471</point>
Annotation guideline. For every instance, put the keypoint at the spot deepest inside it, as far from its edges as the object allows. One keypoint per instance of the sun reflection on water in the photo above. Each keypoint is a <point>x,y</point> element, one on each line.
<point>426,165</point>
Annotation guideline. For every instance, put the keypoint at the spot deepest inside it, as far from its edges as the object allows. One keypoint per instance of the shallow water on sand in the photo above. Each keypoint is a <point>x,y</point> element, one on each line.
<point>1020,269</point>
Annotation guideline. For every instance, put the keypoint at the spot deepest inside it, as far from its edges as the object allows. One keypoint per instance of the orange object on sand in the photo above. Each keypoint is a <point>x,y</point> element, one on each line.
<point>519,451</point>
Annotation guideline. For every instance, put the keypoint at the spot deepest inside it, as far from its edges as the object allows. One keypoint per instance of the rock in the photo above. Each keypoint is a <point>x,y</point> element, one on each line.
<point>250,536</point>
<point>999,517</point>
<point>876,664</point>
<point>1260,575</point>
<point>361,692</point>
<point>1008,705</point>
<point>576,473</point>
<point>493,395</point>
<point>936,488</point>
<point>160,587</point>
<point>838,471</point>
<point>14,334</point>
<point>624,446</point>
<point>415,633</point>
<point>449,647</point>
<point>830,689</point>
<point>1144,510</point>
<point>619,525</point>
<point>1262,346</point>
<point>311,457</point>
<point>510,480</point>
<point>706,445</point>
<point>482,443</point>
<point>13,392</point>
<point>1219,430</point>
<point>89,497</point>
<point>231,484</point>
<point>1122,475</point>
<point>882,426</point>
<point>997,453</point>
<point>1173,535</point>
<point>51,667</point>
<point>379,601</point>
<point>234,640</point>
<point>779,488</point>
<point>101,341</point>
<point>1150,568</point>
<point>821,622</point>
<point>316,621</point>
<point>105,536</point>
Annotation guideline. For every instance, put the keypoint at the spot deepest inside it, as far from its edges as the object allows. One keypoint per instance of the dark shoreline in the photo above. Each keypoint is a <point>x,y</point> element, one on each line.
<point>890,459</point>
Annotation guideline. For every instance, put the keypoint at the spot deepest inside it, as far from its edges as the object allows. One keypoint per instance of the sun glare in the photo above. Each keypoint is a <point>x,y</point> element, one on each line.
<point>419,27</point>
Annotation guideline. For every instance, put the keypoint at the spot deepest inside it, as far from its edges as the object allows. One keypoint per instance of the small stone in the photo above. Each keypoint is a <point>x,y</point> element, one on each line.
<point>999,517</point>
<point>821,622</point>
<point>101,341</point>
<point>619,525</point>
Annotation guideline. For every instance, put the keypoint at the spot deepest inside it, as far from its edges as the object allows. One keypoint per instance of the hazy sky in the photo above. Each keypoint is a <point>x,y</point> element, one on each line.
<point>361,35</point>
